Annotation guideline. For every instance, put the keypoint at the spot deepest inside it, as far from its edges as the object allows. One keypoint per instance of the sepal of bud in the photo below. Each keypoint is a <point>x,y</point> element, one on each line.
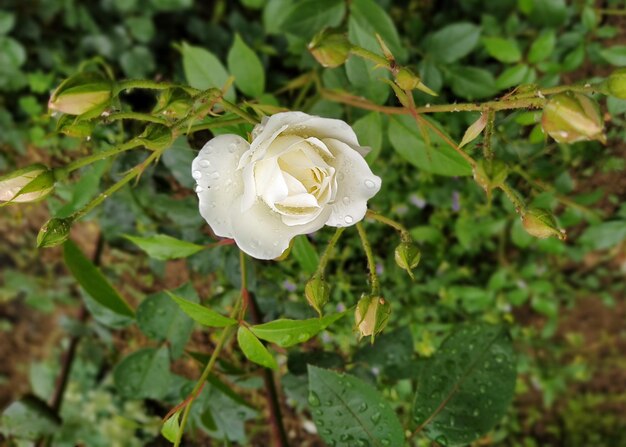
<point>82,93</point>
<point>616,83</point>
<point>407,256</point>
<point>29,184</point>
<point>54,232</point>
<point>490,174</point>
<point>406,79</point>
<point>173,103</point>
<point>156,137</point>
<point>371,315</point>
<point>571,116</point>
<point>330,49</point>
<point>317,292</point>
<point>541,223</point>
<point>73,127</point>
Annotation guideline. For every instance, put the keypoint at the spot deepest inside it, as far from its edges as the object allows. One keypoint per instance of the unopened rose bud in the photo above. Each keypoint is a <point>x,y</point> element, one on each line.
<point>29,184</point>
<point>54,232</point>
<point>541,223</point>
<point>616,83</point>
<point>407,256</point>
<point>330,50</point>
<point>317,292</point>
<point>81,93</point>
<point>570,117</point>
<point>72,127</point>
<point>156,137</point>
<point>406,79</point>
<point>372,315</point>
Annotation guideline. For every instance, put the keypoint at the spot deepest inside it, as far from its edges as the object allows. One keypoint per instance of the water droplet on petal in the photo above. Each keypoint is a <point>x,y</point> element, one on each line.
<point>199,189</point>
<point>348,219</point>
<point>197,175</point>
<point>205,163</point>
<point>370,184</point>
<point>215,175</point>
<point>346,200</point>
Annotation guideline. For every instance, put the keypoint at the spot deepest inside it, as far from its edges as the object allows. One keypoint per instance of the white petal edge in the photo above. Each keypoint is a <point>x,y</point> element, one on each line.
<point>260,232</point>
<point>356,184</point>
<point>217,179</point>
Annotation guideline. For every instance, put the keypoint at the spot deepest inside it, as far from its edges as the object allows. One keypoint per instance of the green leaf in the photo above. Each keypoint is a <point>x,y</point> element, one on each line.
<point>305,254</point>
<point>7,21</point>
<point>467,386</point>
<point>171,427</point>
<point>12,54</point>
<point>137,62</point>
<point>615,55</point>
<point>203,70</point>
<point>472,83</point>
<point>504,50</point>
<point>144,374</point>
<point>437,158</point>
<point>29,418</point>
<point>286,333</point>
<point>512,76</point>
<point>392,354</point>
<point>93,281</point>
<point>453,42</point>
<point>369,130</point>
<point>159,318</point>
<point>374,20</point>
<point>307,17</point>
<point>246,67</point>
<point>605,235</point>
<point>542,47</point>
<point>164,247</point>
<point>254,350</point>
<point>350,412</point>
<point>201,314</point>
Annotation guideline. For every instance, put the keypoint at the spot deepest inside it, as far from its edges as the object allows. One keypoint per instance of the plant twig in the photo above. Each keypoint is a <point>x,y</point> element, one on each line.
<point>370,259</point>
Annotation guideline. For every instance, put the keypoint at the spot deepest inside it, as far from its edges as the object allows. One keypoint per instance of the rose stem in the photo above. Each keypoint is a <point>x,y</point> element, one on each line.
<point>226,333</point>
<point>327,252</point>
<point>404,233</point>
<point>487,149</point>
<point>370,259</point>
<point>129,84</point>
<point>238,111</point>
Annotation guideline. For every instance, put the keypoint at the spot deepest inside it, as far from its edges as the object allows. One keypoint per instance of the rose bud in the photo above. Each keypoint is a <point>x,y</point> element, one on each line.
<point>81,93</point>
<point>407,256</point>
<point>330,50</point>
<point>372,315</point>
<point>616,83</point>
<point>570,117</point>
<point>54,232</point>
<point>317,292</point>
<point>30,184</point>
<point>541,223</point>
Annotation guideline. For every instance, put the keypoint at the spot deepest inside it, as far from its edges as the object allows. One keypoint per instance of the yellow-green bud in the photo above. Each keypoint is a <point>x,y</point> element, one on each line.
<point>156,137</point>
<point>317,292</point>
<point>54,232</point>
<point>73,127</point>
<point>406,79</point>
<point>570,117</point>
<point>330,50</point>
<point>29,184</point>
<point>81,93</point>
<point>616,83</point>
<point>371,315</point>
<point>407,256</point>
<point>541,223</point>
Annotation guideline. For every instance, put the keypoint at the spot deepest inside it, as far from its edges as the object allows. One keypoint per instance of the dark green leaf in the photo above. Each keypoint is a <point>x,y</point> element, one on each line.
<point>93,281</point>
<point>369,130</point>
<point>164,247</point>
<point>349,412</point>
<point>287,333</point>
<point>307,17</point>
<point>542,47</point>
<point>144,374</point>
<point>203,70</point>
<point>391,354</point>
<point>201,314</point>
<point>605,235</point>
<point>246,67</point>
<point>467,386</point>
<point>305,254</point>
<point>504,50</point>
<point>374,20</point>
<point>253,349</point>
<point>453,42</point>
<point>438,157</point>
<point>472,83</point>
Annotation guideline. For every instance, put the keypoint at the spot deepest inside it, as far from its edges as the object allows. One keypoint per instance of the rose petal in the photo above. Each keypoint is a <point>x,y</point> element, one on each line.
<point>214,170</point>
<point>355,185</point>
<point>260,232</point>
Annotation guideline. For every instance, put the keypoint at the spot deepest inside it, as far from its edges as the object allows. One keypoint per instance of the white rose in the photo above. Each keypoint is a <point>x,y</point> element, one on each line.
<point>300,172</point>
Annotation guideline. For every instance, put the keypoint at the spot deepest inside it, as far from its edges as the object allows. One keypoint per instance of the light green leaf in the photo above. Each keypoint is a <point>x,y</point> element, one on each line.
<point>512,76</point>
<point>7,21</point>
<point>307,17</point>
<point>286,333</point>
<point>542,47</point>
<point>203,70</point>
<point>164,247</point>
<point>305,254</point>
<point>350,412</point>
<point>246,67</point>
<point>472,83</point>
<point>605,235</point>
<point>171,427</point>
<point>93,281</point>
<point>504,50</point>
<point>369,130</point>
<point>467,386</point>
<point>144,374</point>
<point>374,20</point>
<point>453,42</point>
<point>12,54</point>
<point>253,349</point>
<point>201,314</point>
<point>28,418</point>
<point>615,55</point>
<point>438,157</point>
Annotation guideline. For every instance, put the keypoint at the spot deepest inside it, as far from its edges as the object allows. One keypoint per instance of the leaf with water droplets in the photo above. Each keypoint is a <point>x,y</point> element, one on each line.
<point>286,333</point>
<point>352,412</point>
<point>467,386</point>
<point>144,374</point>
<point>164,247</point>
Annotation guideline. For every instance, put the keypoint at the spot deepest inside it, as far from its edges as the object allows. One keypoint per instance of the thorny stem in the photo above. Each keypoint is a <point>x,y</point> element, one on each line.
<point>77,164</point>
<point>487,149</point>
<point>129,84</point>
<point>514,197</point>
<point>370,260</point>
<point>136,116</point>
<point>226,333</point>
<point>328,251</point>
<point>404,233</point>
<point>612,12</point>
<point>238,111</point>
